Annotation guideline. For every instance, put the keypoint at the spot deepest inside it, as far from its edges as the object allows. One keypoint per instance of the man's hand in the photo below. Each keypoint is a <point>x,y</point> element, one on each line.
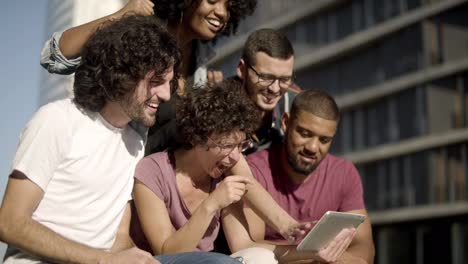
<point>214,77</point>
<point>136,7</point>
<point>335,248</point>
<point>132,255</point>
<point>229,191</point>
<point>347,258</point>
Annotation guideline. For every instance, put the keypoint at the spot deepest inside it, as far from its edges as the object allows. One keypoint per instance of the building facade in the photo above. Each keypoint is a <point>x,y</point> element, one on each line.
<point>399,72</point>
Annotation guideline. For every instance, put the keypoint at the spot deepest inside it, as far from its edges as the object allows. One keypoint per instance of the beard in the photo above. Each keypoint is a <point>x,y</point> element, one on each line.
<point>296,163</point>
<point>136,111</point>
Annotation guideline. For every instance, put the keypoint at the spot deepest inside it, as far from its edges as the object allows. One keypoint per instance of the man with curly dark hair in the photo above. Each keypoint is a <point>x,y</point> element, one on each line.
<point>180,193</point>
<point>194,23</point>
<point>67,199</point>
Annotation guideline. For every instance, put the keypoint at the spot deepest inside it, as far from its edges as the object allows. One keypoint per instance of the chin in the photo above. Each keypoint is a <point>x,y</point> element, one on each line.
<point>149,122</point>
<point>267,108</point>
<point>207,36</point>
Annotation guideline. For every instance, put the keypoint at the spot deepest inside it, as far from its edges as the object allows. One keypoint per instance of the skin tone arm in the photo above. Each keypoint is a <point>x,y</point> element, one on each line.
<point>157,226</point>
<point>362,248</point>
<point>18,229</point>
<point>264,205</point>
<point>243,231</point>
<point>74,39</point>
<point>123,240</point>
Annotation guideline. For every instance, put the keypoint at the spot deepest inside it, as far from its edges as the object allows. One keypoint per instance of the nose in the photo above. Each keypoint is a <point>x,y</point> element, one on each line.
<point>274,87</point>
<point>312,145</point>
<point>164,92</point>
<point>221,11</point>
<point>234,156</point>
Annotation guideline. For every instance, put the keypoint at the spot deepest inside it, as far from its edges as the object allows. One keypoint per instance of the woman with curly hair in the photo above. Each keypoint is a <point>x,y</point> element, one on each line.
<point>180,193</point>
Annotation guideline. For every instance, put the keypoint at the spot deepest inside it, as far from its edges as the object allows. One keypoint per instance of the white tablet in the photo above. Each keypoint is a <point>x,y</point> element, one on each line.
<point>327,228</point>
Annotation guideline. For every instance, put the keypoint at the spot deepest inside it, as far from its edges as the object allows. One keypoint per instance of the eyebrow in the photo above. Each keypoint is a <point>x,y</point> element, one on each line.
<point>314,133</point>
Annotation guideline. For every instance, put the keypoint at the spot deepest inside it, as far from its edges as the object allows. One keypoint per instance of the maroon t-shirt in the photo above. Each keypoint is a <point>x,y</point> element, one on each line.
<point>157,172</point>
<point>335,185</point>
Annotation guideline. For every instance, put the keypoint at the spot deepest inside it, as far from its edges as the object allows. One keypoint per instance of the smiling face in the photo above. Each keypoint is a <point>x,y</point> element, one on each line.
<point>143,103</point>
<point>206,19</point>
<point>220,153</point>
<point>265,67</point>
<point>308,140</point>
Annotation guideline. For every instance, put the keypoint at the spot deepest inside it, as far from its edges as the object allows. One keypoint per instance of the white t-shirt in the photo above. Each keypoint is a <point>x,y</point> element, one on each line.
<point>85,167</point>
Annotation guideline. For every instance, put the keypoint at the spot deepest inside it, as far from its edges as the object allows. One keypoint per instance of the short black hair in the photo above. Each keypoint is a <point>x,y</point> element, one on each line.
<point>274,43</point>
<point>316,102</point>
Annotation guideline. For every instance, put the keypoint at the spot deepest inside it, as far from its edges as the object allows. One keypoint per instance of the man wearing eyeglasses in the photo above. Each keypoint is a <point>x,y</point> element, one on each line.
<point>266,72</point>
<point>266,69</point>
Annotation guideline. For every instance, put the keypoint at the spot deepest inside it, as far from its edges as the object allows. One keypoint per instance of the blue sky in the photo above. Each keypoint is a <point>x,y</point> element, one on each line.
<point>23,30</point>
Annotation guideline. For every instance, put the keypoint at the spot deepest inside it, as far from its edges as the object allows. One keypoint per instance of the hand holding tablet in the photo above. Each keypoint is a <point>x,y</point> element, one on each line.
<point>327,228</point>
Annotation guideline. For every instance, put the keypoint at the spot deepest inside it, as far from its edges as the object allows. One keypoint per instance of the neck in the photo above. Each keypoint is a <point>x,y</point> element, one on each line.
<point>180,32</point>
<point>113,113</point>
<point>185,166</point>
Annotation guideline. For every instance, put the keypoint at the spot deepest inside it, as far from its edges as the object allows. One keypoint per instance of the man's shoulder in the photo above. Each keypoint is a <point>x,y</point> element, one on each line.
<point>57,112</point>
<point>257,156</point>
<point>263,157</point>
<point>58,106</point>
<point>336,163</point>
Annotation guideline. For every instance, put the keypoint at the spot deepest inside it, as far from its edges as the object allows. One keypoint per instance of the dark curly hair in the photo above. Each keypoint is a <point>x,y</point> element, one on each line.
<point>119,55</point>
<point>217,109</point>
<point>172,10</point>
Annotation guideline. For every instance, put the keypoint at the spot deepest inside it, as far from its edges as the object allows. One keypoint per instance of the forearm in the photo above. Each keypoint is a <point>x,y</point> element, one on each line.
<point>189,235</point>
<point>267,208</point>
<point>34,238</point>
<point>74,39</point>
<point>122,242</point>
<point>358,253</point>
<point>262,203</point>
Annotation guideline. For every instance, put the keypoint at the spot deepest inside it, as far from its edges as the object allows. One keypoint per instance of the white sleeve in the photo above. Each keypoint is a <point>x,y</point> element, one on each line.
<point>43,144</point>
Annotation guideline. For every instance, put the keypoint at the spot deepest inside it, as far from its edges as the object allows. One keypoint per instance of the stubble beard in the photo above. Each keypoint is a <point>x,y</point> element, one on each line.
<point>295,162</point>
<point>136,112</point>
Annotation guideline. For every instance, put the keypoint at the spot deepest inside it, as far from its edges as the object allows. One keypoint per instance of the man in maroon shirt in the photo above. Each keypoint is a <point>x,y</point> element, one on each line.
<point>307,181</point>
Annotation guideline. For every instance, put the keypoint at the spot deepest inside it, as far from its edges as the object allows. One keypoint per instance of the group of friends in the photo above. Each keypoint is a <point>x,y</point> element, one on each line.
<point>147,163</point>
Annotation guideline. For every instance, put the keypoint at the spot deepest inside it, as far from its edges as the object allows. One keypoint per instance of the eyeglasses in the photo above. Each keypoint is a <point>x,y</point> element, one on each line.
<point>228,148</point>
<point>268,79</point>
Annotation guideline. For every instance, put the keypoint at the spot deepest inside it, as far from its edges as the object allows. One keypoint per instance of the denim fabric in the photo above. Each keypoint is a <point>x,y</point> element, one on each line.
<point>196,258</point>
<point>53,60</point>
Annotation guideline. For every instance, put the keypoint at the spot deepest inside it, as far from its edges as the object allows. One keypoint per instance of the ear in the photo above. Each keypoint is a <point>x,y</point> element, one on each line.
<point>285,118</point>
<point>241,68</point>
